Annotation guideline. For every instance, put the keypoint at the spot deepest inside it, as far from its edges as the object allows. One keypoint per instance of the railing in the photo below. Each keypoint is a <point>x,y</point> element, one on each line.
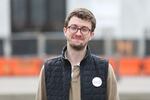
<point>30,66</point>
<point>131,66</point>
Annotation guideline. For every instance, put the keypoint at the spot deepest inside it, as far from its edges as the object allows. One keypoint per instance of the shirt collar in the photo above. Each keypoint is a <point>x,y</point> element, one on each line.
<point>88,54</point>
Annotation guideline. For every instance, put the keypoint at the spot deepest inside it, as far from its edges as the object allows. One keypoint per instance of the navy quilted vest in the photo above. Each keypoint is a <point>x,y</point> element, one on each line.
<point>58,78</point>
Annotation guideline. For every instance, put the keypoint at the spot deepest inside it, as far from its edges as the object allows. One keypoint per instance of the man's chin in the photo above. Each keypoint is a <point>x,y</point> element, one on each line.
<point>78,47</point>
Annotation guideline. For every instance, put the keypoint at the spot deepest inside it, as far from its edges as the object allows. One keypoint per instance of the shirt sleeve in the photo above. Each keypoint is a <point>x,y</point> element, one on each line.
<point>41,92</point>
<point>112,91</point>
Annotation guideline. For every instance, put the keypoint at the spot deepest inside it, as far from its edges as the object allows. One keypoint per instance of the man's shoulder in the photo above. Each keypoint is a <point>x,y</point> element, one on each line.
<point>53,60</point>
<point>99,58</point>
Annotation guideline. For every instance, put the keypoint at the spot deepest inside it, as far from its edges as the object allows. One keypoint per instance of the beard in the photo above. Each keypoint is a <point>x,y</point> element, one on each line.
<point>78,47</point>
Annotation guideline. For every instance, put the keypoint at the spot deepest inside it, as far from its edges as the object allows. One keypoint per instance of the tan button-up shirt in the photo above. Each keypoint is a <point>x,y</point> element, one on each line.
<point>112,92</point>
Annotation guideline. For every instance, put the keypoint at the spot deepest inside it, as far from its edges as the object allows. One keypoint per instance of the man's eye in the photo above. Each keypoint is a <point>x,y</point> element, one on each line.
<point>84,29</point>
<point>73,28</point>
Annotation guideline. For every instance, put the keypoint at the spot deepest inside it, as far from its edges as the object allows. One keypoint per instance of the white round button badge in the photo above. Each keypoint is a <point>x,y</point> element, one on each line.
<point>97,81</point>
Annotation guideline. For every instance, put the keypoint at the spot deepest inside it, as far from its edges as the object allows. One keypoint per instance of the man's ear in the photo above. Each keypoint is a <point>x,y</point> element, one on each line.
<point>65,30</point>
<point>91,35</point>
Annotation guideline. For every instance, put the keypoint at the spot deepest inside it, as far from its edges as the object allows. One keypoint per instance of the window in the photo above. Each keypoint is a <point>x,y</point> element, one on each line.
<point>24,47</point>
<point>54,46</point>
<point>37,15</point>
<point>97,47</point>
<point>1,47</point>
<point>125,47</point>
<point>147,47</point>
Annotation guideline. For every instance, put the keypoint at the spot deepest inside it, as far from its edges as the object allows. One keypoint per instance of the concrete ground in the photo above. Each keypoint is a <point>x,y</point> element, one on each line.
<point>134,88</point>
<point>18,88</point>
<point>24,88</point>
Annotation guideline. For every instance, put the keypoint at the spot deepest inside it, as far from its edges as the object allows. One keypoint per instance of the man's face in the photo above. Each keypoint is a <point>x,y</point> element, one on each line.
<point>78,33</point>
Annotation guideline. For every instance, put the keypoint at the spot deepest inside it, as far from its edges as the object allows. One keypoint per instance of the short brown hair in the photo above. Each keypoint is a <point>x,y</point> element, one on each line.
<point>84,14</point>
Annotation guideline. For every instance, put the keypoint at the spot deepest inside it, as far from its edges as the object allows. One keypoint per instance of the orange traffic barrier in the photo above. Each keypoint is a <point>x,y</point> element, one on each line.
<point>146,66</point>
<point>5,69</point>
<point>25,66</point>
<point>113,62</point>
<point>130,66</point>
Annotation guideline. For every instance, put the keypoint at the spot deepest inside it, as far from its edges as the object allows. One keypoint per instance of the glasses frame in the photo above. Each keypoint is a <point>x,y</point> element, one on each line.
<point>78,28</point>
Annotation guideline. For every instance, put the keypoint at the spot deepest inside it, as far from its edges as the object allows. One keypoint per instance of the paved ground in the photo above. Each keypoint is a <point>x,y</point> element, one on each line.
<point>24,88</point>
<point>134,88</point>
<point>18,85</point>
<point>134,85</point>
<point>18,88</point>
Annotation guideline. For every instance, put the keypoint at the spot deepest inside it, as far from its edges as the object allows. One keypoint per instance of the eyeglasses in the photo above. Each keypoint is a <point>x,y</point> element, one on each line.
<point>74,29</point>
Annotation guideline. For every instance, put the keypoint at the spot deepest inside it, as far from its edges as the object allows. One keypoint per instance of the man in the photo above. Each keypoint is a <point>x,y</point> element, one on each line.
<point>77,74</point>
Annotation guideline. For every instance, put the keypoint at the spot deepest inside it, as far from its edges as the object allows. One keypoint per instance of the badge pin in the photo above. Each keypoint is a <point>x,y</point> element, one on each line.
<point>97,81</point>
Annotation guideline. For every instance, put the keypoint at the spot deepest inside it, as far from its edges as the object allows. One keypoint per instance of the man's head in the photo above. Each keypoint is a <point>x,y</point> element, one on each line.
<point>83,14</point>
<point>79,28</point>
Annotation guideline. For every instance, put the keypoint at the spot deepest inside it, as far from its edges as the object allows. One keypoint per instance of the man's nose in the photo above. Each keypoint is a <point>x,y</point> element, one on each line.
<point>78,32</point>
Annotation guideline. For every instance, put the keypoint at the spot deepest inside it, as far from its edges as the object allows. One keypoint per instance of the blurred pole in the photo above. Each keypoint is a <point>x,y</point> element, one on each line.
<point>41,45</point>
<point>5,16</point>
<point>141,47</point>
<point>108,45</point>
<point>5,25</point>
<point>108,35</point>
<point>7,47</point>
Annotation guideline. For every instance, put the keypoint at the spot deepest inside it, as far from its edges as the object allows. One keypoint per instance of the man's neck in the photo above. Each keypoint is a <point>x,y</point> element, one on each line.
<point>75,56</point>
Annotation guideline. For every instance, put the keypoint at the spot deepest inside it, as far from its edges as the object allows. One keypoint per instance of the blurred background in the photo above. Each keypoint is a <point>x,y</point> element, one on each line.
<point>32,31</point>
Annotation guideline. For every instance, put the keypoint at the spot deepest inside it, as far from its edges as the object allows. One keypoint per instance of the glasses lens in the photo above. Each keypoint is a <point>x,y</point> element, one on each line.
<point>73,29</point>
<point>85,30</point>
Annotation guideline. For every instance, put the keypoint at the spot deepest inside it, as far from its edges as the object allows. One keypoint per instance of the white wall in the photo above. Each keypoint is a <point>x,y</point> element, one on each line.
<point>122,19</point>
<point>135,17</point>
<point>5,18</point>
<point>107,13</point>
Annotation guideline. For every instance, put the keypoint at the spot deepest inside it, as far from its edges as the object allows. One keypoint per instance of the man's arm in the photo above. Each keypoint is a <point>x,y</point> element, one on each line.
<point>112,91</point>
<point>41,93</point>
